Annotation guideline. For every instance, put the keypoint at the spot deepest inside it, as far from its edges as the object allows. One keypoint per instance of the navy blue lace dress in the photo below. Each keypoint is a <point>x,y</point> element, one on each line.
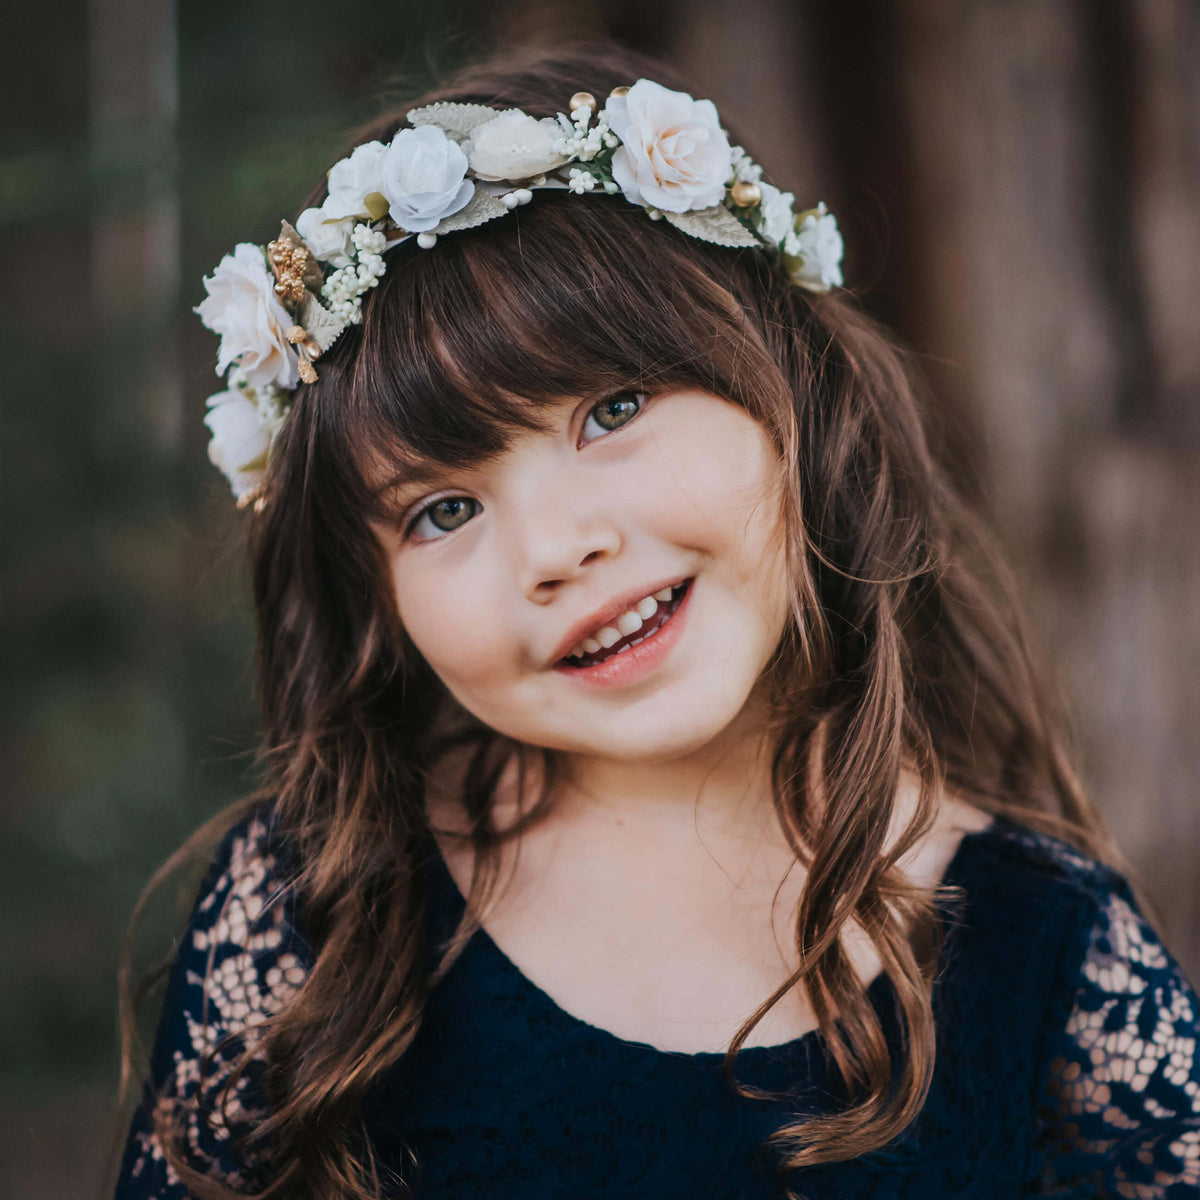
<point>1066,1063</point>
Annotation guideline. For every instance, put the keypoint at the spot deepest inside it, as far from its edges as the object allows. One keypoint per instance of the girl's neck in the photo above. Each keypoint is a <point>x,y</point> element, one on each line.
<point>727,781</point>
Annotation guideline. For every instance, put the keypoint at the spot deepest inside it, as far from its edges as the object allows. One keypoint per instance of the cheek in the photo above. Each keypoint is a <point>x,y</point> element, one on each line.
<point>458,633</point>
<point>718,485</point>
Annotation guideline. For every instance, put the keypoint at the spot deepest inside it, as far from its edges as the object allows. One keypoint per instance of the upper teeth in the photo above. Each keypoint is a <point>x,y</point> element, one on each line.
<point>628,622</point>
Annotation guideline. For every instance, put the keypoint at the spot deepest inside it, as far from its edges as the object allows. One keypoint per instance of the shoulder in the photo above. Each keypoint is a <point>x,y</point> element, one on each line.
<point>253,844</point>
<point>242,955</point>
<point>1034,907</point>
<point>1009,848</point>
<point>1118,1090</point>
<point>245,899</point>
<point>243,930</point>
<point>241,959</point>
<point>1113,928</point>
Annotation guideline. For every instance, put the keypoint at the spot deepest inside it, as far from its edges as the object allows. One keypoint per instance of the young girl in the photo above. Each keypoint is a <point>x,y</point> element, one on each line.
<point>660,796</point>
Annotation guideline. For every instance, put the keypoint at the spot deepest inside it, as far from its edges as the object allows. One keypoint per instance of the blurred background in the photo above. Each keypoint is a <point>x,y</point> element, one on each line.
<point>1019,186</point>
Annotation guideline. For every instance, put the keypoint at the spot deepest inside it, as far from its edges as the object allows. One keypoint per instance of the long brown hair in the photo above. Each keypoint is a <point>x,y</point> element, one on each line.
<point>906,648</point>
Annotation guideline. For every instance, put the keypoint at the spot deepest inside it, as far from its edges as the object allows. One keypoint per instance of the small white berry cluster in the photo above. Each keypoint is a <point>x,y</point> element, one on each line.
<point>273,407</point>
<point>745,169</point>
<point>581,142</point>
<point>271,404</point>
<point>581,181</point>
<point>517,196</point>
<point>343,290</point>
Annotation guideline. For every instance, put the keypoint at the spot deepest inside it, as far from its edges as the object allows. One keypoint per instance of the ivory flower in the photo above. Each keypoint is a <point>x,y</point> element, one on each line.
<point>514,145</point>
<point>239,441</point>
<point>329,240</point>
<point>674,154</point>
<point>352,180</point>
<point>243,309</point>
<point>776,212</point>
<point>816,246</point>
<point>424,178</point>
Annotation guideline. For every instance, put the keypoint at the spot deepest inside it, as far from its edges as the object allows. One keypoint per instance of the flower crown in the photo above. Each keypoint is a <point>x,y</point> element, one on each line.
<point>278,309</point>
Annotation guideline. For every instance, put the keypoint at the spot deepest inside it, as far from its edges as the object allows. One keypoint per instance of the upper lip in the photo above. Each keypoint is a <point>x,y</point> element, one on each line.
<point>609,613</point>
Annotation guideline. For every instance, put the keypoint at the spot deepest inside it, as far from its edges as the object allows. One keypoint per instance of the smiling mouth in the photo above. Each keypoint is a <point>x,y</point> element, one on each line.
<point>583,657</point>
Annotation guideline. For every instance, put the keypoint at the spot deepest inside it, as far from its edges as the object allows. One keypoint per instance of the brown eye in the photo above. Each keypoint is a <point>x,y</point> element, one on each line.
<point>614,411</point>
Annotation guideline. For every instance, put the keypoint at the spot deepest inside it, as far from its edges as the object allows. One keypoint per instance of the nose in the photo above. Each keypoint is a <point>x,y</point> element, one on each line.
<point>559,526</point>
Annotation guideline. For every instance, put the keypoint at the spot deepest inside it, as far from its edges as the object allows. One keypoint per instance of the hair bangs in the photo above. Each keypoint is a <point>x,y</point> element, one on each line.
<point>464,346</point>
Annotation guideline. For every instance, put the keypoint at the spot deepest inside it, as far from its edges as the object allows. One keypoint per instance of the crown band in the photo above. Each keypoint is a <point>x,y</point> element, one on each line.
<point>458,166</point>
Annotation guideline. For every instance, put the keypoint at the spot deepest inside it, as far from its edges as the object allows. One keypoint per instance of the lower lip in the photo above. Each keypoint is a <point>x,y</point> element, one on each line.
<point>630,665</point>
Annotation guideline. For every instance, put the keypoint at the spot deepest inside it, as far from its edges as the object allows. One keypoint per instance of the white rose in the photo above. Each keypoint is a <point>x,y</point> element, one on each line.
<point>776,212</point>
<point>329,240</point>
<point>239,441</point>
<point>243,309</point>
<point>817,245</point>
<point>424,178</point>
<point>354,179</point>
<point>514,145</point>
<point>674,154</point>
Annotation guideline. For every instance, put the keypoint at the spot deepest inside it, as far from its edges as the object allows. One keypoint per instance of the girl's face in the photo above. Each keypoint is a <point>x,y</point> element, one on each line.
<point>524,581</point>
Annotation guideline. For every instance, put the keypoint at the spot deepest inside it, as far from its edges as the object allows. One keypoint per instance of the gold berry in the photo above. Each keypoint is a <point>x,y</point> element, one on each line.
<point>745,193</point>
<point>583,100</point>
<point>618,91</point>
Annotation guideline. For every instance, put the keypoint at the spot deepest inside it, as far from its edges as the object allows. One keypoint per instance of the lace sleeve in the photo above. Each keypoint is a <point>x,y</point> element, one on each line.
<point>240,960</point>
<point>1119,1110</point>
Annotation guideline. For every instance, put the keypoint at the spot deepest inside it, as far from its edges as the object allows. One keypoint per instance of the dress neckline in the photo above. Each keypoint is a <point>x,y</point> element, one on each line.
<point>877,990</point>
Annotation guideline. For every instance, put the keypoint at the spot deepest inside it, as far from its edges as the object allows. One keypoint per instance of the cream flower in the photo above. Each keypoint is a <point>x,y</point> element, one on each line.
<point>424,178</point>
<point>352,180</point>
<point>816,247</point>
<point>239,441</point>
<point>776,212</point>
<point>514,146</point>
<point>328,239</point>
<point>674,154</point>
<point>242,308</point>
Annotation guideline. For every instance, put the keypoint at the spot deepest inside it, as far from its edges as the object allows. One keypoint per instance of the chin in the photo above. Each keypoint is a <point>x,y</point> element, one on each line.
<point>669,730</point>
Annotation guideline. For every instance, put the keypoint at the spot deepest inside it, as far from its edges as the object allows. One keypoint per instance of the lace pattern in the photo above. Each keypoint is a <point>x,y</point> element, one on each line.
<point>239,963</point>
<point>1119,1113</point>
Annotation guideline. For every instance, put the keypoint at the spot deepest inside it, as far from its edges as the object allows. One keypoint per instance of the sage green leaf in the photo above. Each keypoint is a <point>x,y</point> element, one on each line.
<point>319,323</point>
<point>483,206</point>
<point>455,119</point>
<point>716,224</point>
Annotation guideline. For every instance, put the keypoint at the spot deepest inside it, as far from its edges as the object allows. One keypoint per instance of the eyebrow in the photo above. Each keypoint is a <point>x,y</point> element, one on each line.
<point>418,474</point>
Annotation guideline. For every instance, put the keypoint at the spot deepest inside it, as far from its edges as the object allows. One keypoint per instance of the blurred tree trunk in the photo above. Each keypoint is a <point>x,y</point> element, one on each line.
<point>1054,162</point>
